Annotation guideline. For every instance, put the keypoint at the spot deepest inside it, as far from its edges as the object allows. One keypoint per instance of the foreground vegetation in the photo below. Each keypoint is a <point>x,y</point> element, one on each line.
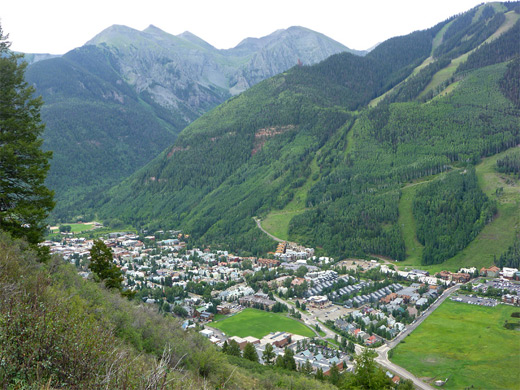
<point>59,330</point>
<point>467,344</point>
<point>258,323</point>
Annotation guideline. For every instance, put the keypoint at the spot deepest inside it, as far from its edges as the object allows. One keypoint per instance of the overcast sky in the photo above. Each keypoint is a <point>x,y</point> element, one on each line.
<point>57,26</point>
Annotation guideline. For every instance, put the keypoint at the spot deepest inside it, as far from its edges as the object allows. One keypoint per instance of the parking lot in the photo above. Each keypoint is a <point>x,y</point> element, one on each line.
<point>331,312</point>
<point>504,284</point>
<point>354,264</point>
<point>474,300</point>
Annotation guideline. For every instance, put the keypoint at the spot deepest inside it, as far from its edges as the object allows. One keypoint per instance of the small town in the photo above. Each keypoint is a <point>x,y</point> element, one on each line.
<point>343,305</point>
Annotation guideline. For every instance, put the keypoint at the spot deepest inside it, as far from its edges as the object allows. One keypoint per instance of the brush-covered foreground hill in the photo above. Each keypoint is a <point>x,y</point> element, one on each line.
<point>58,330</point>
<point>116,102</point>
<point>440,103</point>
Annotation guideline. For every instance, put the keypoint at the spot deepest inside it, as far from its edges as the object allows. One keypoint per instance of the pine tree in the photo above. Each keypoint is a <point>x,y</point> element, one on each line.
<point>234,349</point>
<point>102,265</point>
<point>225,346</point>
<point>288,359</point>
<point>268,354</point>
<point>250,352</point>
<point>25,202</point>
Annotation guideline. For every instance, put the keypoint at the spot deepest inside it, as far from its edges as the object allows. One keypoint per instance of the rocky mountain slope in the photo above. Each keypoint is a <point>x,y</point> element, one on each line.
<point>113,104</point>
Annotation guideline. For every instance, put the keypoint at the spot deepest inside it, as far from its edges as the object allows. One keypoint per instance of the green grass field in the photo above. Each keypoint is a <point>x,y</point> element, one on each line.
<point>467,343</point>
<point>258,323</point>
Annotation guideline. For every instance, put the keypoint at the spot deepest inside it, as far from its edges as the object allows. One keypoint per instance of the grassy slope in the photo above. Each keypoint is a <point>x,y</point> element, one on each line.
<point>407,224</point>
<point>277,221</point>
<point>466,343</point>
<point>445,73</point>
<point>258,323</point>
<point>494,239</point>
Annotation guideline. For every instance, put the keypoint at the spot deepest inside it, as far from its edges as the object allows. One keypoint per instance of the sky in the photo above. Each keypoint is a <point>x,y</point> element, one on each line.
<point>57,26</point>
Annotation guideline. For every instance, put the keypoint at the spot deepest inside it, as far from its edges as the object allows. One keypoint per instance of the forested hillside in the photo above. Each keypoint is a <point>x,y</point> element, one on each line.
<point>114,104</point>
<point>249,156</point>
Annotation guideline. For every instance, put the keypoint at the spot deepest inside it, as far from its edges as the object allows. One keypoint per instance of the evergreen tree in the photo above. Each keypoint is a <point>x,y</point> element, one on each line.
<point>288,359</point>
<point>334,374</point>
<point>367,374</point>
<point>234,349</point>
<point>102,265</point>
<point>250,352</point>
<point>268,354</point>
<point>25,202</point>
<point>225,346</point>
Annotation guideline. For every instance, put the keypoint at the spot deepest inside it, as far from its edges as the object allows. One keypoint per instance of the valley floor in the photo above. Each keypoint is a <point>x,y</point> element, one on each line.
<point>467,344</point>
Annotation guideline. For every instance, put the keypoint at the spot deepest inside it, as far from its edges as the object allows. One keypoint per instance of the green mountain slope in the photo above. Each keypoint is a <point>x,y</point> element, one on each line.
<point>115,103</point>
<point>97,126</point>
<point>307,131</point>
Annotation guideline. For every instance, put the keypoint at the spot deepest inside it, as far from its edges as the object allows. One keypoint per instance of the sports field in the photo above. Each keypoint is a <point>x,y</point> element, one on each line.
<point>258,323</point>
<point>467,344</point>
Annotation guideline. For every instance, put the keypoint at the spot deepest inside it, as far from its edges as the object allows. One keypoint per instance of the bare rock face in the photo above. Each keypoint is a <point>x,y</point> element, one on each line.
<point>186,70</point>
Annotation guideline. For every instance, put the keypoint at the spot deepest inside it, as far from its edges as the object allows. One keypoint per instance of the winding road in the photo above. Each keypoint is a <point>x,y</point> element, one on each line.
<point>257,220</point>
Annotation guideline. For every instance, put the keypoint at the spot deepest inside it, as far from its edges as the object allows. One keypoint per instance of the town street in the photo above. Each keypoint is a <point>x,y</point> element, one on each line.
<point>382,351</point>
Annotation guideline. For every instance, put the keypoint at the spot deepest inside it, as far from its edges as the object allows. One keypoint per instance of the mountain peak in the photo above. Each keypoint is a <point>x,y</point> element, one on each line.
<point>110,33</point>
<point>151,29</point>
<point>190,37</point>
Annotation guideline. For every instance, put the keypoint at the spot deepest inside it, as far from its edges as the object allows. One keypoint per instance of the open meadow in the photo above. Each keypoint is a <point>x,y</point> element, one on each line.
<point>467,344</point>
<point>258,323</point>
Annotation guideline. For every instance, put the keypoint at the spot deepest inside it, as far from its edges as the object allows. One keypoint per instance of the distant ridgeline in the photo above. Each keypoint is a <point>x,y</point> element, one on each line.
<point>350,132</point>
<point>113,105</point>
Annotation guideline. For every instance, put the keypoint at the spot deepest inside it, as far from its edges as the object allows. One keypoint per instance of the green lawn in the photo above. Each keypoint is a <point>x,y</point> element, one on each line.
<point>467,343</point>
<point>258,323</point>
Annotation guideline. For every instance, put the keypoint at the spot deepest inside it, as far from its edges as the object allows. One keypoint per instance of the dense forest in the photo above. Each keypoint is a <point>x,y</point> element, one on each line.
<point>450,212</point>
<point>509,164</point>
<point>511,257</point>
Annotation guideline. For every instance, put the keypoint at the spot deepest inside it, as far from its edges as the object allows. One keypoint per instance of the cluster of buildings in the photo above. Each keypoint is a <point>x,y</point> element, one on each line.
<point>458,277</point>
<point>258,300</point>
<point>504,273</point>
<point>306,353</point>
<point>376,296</point>
<point>370,326</point>
<point>379,311</point>
<point>320,280</point>
<point>289,251</point>
<point>149,262</point>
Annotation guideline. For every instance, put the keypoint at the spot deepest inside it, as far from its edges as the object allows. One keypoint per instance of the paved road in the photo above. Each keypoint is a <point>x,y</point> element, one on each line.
<point>266,232</point>
<point>382,352</point>
<point>311,322</point>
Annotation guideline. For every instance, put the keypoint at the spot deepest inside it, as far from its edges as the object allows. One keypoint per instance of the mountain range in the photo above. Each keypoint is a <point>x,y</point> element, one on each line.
<point>331,155</point>
<point>116,102</point>
<point>356,155</point>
